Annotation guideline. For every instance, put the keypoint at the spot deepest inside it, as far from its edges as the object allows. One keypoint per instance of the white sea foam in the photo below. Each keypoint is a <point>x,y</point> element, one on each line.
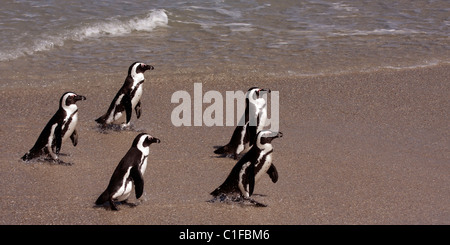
<point>345,7</point>
<point>113,27</point>
<point>240,27</point>
<point>374,32</point>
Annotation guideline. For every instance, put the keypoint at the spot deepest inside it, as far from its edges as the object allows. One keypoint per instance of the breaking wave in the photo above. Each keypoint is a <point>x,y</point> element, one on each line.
<point>113,27</point>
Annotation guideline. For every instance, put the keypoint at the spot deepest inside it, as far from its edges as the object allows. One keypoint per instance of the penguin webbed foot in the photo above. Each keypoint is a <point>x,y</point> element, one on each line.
<point>125,126</point>
<point>112,205</point>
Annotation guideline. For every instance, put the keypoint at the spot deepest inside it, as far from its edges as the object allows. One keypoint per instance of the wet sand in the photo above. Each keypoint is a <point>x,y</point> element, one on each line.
<point>358,148</point>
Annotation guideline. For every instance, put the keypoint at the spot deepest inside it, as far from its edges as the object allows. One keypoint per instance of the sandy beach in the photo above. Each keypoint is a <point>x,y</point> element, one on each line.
<point>358,148</point>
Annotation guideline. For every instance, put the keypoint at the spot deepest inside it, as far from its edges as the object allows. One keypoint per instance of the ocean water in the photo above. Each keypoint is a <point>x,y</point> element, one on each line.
<point>277,37</point>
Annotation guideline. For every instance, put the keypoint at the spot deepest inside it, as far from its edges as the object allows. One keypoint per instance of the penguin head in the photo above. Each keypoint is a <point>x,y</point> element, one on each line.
<point>144,140</point>
<point>266,136</point>
<point>69,98</point>
<point>254,92</point>
<point>138,67</point>
<point>253,96</point>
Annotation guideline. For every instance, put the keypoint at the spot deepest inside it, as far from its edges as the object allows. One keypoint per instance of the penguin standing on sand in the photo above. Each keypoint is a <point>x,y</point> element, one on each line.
<point>130,169</point>
<point>60,127</point>
<point>250,124</point>
<point>128,97</point>
<point>240,183</point>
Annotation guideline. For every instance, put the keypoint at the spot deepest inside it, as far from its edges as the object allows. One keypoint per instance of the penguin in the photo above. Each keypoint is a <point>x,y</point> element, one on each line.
<point>240,183</point>
<point>130,169</point>
<point>128,97</point>
<point>251,123</point>
<point>60,127</point>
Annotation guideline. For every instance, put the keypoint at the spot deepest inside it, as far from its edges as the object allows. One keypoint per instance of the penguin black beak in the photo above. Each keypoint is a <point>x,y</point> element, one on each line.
<point>79,97</point>
<point>258,92</point>
<point>268,137</point>
<point>155,140</point>
<point>276,135</point>
<point>279,135</point>
<point>148,67</point>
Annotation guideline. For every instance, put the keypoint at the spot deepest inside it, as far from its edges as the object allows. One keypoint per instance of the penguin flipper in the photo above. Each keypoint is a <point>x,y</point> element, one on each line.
<point>58,138</point>
<point>128,107</point>
<point>273,173</point>
<point>247,178</point>
<point>74,137</point>
<point>251,133</point>
<point>251,179</point>
<point>138,109</point>
<point>138,182</point>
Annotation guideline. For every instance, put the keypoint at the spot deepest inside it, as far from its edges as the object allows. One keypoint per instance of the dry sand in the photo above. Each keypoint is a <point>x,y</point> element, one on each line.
<point>360,148</point>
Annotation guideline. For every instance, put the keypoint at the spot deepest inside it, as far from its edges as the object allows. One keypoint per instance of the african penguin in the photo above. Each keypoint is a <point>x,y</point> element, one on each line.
<point>130,169</point>
<point>240,183</point>
<point>254,120</point>
<point>128,97</point>
<point>60,127</point>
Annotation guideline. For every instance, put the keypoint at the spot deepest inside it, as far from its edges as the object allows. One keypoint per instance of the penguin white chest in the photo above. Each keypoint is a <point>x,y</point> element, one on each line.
<point>137,96</point>
<point>265,165</point>
<point>143,166</point>
<point>70,123</point>
<point>124,190</point>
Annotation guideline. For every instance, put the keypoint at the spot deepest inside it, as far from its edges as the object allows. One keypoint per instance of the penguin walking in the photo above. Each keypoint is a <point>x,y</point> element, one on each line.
<point>60,127</point>
<point>130,169</point>
<point>251,123</point>
<point>241,181</point>
<point>128,98</point>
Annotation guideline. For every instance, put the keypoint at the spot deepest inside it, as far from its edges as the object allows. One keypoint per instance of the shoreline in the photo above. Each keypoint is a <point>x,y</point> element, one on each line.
<point>358,148</point>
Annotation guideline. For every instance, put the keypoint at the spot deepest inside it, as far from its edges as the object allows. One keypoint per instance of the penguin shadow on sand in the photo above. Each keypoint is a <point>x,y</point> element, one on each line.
<point>58,129</point>
<point>46,159</point>
<point>238,187</point>
<point>108,128</point>
<point>116,204</point>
